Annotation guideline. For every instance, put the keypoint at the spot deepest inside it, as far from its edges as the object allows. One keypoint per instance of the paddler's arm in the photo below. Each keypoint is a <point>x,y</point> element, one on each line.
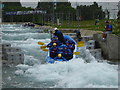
<point>64,59</point>
<point>55,58</point>
<point>50,44</point>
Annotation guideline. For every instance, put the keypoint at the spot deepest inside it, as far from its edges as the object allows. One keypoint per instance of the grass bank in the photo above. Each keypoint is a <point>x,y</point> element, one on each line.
<point>87,24</point>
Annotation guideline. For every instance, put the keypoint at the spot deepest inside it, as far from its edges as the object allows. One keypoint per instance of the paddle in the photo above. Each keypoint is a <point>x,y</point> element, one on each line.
<point>81,42</point>
<point>76,53</point>
<point>46,50</point>
<point>41,43</point>
<point>42,47</point>
<point>80,45</point>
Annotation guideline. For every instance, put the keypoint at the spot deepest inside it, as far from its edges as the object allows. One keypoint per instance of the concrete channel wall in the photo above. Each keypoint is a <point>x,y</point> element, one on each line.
<point>11,55</point>
<point>110,47</point>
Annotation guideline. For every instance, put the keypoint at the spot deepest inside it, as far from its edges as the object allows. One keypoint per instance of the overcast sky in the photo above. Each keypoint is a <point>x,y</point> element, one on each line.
<point>35,2</point>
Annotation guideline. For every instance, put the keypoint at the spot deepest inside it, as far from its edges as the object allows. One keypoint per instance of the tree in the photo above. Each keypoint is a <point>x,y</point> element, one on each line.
<point>56,9</point>
<point>15,6</point>
<point>10,6</point>
<point>91,12</point>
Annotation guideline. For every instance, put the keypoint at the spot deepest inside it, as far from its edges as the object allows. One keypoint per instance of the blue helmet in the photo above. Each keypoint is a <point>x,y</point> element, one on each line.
<point>63,45</point>
<point>67,41</point>
<point>53,39</point>
<point>66,47</point>
<point>54,36</point>
<point>60,47</point>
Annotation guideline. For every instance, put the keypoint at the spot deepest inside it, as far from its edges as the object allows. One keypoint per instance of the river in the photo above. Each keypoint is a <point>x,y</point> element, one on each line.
<point>35,73</point>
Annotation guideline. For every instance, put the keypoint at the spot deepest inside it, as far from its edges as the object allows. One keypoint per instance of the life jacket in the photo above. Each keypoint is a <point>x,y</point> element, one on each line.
<point>66,51</point>
<point>108,27</point>
<point>53,49</point>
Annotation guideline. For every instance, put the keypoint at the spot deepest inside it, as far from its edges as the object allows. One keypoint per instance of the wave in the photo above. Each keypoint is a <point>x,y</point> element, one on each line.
<point>74,74</point>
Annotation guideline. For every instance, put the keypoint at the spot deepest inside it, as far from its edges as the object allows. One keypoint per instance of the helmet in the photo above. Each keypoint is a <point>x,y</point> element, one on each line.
<point>55,37</point>
<point>55,28</point>
<point>54,44</point>
<point>67,43</point>
<point>53,40</point>
<point>60,47</point>
<point>63,45</point>
<point>60,55</point>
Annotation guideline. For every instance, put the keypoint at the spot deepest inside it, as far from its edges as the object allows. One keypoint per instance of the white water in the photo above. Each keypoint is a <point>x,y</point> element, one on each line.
<point>73,74</point>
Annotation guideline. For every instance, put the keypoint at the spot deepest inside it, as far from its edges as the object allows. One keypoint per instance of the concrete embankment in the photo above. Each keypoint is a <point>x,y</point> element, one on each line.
<point>83,31</point>
<point>110,47</point>
<point>11,55</point>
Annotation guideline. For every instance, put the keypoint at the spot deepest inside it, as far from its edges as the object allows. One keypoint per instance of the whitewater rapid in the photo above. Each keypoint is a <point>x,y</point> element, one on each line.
<point>76,73</point>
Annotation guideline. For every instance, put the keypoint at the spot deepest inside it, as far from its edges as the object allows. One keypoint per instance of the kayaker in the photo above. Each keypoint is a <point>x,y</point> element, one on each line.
<point>60,49</point>
<point>55,37</point>
<point>67,53</point>
<point>53,51</point>
<point>78,35</point>
<point>54,40</point>
<point>71,47</point>
<point>51,43</point>
<point>60,36</point>
<point>69,42</point>
<point>60,58</point>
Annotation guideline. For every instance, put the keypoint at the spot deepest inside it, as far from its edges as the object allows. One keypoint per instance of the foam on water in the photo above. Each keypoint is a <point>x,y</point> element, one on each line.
<point>74,74</point>
<point>25,36</point>
<point>83,72</point>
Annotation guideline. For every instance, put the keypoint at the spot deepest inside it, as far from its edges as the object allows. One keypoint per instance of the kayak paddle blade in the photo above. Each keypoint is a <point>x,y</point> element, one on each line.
<point>76,53</point>
<point>81,42</point>
<point>46,50</point>
<point>40,43</point>
<point>80,45</point>
<point>42,47</point>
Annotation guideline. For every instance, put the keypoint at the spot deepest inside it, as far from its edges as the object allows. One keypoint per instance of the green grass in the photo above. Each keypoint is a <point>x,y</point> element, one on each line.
<point>88,25</point>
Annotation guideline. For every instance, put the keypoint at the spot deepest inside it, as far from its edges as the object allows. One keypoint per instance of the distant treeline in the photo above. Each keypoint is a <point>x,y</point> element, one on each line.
<point>60,10</point>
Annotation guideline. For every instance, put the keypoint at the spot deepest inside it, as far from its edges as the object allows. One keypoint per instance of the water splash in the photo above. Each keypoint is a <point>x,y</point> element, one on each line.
<point>83,72</point>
